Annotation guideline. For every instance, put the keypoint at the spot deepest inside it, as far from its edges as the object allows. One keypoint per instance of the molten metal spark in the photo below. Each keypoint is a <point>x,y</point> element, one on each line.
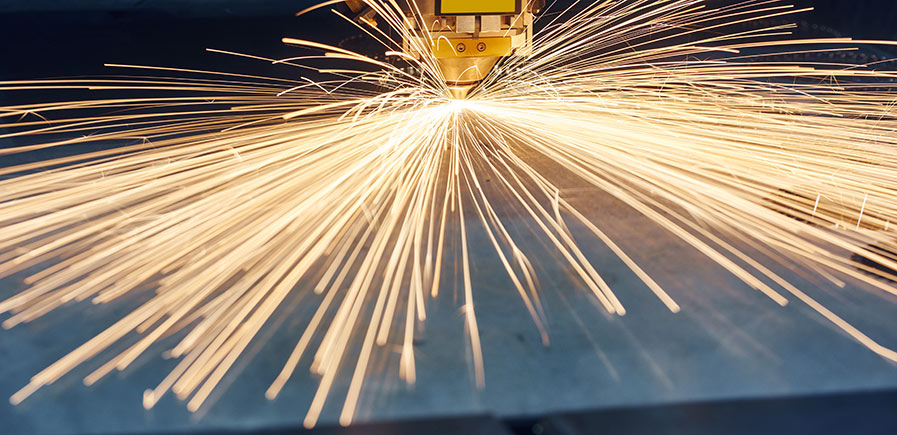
<point>224,208</point>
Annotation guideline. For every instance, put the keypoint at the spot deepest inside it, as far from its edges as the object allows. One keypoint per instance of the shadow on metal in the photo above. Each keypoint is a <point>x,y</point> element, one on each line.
<point>869,413</point>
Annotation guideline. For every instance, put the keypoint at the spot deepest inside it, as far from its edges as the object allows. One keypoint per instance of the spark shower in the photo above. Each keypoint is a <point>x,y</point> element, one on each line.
<point>231,192</point>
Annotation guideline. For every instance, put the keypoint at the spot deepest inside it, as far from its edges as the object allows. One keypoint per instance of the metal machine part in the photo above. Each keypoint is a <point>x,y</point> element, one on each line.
<point>466,37</point>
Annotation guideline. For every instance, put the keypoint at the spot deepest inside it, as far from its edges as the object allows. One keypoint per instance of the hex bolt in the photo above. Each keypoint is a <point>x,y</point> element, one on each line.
<point>481,46</point>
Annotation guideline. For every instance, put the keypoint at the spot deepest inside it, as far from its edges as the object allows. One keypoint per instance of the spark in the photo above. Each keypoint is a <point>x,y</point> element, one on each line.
<point>245,190</point>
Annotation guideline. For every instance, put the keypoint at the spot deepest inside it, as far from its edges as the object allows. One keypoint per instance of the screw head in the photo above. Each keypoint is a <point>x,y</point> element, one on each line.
<point>481,46</point>
<point>461,47</point>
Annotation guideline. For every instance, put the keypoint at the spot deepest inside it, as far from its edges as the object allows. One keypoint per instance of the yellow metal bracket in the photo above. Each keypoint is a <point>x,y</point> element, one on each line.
<point>470,47</point>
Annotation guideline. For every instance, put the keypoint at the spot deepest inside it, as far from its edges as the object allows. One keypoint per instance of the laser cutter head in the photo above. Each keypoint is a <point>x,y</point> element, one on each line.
<point>466,37</point>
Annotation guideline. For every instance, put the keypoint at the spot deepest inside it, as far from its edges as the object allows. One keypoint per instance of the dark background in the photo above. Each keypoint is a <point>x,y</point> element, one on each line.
<point>45,38</point>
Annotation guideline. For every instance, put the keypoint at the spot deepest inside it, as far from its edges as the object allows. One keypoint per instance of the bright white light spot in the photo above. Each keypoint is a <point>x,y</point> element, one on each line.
<point>458,105</point>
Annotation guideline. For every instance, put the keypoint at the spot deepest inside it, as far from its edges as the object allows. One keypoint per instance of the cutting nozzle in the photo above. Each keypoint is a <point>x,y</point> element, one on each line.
<point>460,91</point>
<point>462,74</point>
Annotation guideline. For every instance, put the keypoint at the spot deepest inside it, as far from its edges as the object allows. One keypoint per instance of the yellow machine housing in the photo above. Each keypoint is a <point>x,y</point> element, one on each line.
<point>467,37</point>
<point>474,7</point>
